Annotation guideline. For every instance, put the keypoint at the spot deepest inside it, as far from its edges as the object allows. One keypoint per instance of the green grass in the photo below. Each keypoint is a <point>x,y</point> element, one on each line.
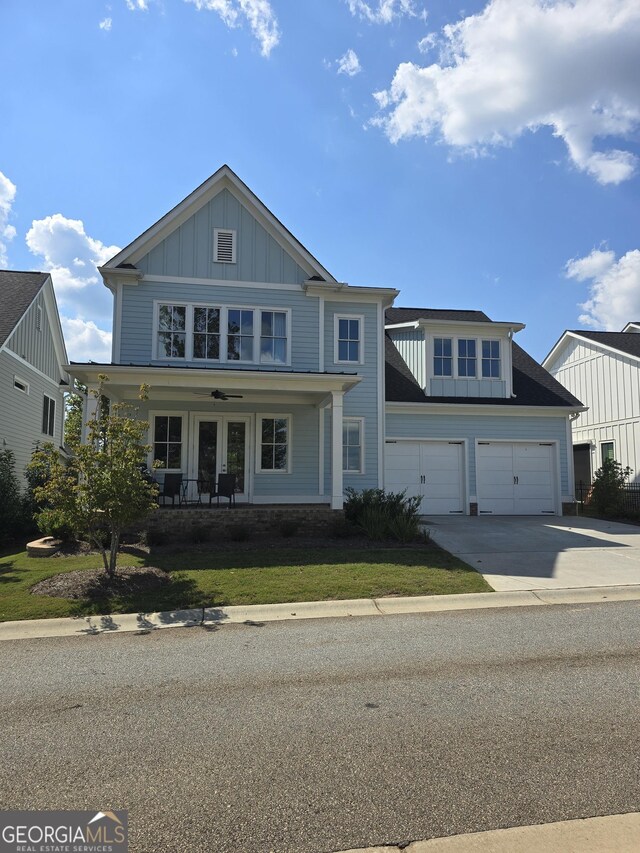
<point>204,577</point>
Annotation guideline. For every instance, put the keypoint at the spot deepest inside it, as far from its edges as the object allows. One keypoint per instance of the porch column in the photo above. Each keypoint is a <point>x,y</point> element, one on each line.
<point>88,410</point>
<point>337,497</point>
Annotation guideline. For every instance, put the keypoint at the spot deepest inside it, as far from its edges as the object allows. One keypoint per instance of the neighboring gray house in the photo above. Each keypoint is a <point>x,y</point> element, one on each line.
<point>262,364</point>
<point>603,369</point>
<point>32,355</point>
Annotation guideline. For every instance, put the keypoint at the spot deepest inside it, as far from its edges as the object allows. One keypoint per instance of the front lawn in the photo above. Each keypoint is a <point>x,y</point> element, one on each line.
<point>203,576</point>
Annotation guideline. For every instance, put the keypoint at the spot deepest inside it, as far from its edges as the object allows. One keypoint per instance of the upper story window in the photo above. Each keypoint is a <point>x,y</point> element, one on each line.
<point>491,360</point>
<point>442,357</point>
<point>172,335</point>
<point>48,415</point>
<point>224,334</point>
<point>273,337</point>
<point>467,357</point>
<point>224,246</point>
<point>348,339</point>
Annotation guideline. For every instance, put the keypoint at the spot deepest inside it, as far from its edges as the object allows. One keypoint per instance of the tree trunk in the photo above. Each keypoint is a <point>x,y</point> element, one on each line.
<point>113,555</point>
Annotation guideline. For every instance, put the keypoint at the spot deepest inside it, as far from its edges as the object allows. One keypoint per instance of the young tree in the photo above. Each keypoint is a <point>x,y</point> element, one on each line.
<point>104,487</point>
<point>74,406</point>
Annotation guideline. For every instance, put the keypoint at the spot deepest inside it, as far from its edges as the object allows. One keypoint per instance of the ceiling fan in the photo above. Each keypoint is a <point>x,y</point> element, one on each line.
<point>218,395</point>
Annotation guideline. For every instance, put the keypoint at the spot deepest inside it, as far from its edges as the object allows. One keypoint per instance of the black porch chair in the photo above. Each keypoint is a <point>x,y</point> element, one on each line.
<point>226,489</point>
<point>171,488</point>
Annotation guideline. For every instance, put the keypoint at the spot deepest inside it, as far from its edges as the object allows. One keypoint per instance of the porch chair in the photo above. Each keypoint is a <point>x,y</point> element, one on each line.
<point>171,488</point>
<point>226,489</point>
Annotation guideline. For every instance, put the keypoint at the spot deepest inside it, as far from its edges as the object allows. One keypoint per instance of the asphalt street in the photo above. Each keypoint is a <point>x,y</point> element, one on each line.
<point>330,734</point>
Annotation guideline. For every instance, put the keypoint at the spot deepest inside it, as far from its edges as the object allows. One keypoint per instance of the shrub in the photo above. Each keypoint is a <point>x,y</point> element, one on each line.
<point>289,527</point>
<point>200,533</point>
<point>15,508</point>
<point>52,523</point>
<point>381,513</point>
<point>343,529</point>
<point>240,532</point>
<point>608,487</point>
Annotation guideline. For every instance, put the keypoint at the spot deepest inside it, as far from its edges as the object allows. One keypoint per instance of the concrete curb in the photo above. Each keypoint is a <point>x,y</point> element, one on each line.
<point>210,617</point>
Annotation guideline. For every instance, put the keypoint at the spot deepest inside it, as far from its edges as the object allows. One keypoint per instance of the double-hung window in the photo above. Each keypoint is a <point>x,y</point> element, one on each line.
<point>348,332</point>
<point>273,337</point>
<point>352,445</point>
<point>466,357</point>
<point>48,415</point>
<point>239,334</point>
<point>172,331</point>
<point>206,333</point>
<point>274,443</point>
<point>491,359</point>
<point>607,451</point>
<point>442,357</point>
<point>167,442</point>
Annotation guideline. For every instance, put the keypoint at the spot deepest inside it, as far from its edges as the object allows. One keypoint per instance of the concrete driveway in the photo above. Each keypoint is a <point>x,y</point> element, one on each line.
<point>543,553</point>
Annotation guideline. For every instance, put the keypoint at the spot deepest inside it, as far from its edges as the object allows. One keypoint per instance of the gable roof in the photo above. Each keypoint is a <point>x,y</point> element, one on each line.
<point>626,342</point>
<point>532,384</point>
<point>223,178</point>
<point>17,292</point>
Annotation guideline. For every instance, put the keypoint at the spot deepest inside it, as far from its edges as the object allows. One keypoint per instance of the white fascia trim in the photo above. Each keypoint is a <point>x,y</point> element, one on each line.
<point>224,178</point>
<point>345,293</point>
<point>24,363</point>
<point>217,282</point>
<point>631,325</point>
<point>480,409</point>
<point>54,322</point>
<point>620,353</point>
<point>412,325</point>
<point>482,324</point>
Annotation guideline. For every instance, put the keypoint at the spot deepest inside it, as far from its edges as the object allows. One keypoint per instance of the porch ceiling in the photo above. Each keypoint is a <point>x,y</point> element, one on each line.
<point>196,384</point>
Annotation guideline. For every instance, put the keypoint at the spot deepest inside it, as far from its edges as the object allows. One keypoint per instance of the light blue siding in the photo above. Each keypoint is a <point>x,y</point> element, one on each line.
<point>188,251</point>
<point>137,332</point>
<point>483,427</point>
<point>444,387</point>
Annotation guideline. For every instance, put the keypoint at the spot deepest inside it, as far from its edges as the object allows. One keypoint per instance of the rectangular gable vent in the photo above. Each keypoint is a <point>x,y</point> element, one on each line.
<point>224,246</point>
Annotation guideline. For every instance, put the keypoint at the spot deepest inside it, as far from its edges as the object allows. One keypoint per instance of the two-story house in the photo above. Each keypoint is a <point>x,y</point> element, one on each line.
<point>603,368</point>
<point>262,364</point>
<point>32,354</point>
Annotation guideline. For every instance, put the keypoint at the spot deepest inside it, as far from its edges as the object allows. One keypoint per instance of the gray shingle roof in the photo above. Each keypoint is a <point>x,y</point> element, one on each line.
<point>532,384</point>
<point>17,292</point>
<point>628,342</point>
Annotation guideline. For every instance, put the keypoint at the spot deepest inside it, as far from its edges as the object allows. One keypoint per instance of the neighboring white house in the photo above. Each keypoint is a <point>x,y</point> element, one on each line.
<point>32,352</point>
<point>603,370</point>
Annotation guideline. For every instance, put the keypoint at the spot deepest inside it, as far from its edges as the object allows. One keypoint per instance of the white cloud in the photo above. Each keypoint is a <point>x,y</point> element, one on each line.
<point>72,257</point>
<point>138,5</point>
<point>349,64</point>
<point>385,12</point>
<point>428,42</point>
<point>85,341</point>
<point>7,232</point>
<point>614,289</point>
<point>258,14</point>
<point>570,65</point>
<point>105,25</point>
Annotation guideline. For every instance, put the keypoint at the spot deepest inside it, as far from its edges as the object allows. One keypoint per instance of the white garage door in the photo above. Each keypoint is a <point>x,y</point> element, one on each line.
<point>432,469</point>
<point>515,478</point>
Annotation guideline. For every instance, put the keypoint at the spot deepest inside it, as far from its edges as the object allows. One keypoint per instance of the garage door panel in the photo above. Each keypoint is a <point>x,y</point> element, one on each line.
<point>431,469</point>
<point>524,486</point>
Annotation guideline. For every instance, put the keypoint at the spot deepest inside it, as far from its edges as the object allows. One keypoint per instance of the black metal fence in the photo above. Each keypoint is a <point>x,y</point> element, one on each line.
<point>629,501</point>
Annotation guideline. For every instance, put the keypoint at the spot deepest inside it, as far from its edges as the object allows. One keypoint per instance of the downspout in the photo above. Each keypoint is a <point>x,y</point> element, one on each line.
<point>512,395</point>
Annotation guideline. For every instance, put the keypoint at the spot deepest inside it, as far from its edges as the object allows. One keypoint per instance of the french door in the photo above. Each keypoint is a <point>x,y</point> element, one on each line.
<point>219,445</point>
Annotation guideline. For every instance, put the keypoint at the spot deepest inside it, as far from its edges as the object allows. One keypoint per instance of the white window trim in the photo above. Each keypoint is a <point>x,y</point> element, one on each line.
<point>49,418</point>
<point>336,326</point>
<point>224,323</point>
<point>267,416</point>
<point>161,413</point>
<point>360,421</point>
<point>19,379</point>
<point>234,237</point>
<point>454,356</point>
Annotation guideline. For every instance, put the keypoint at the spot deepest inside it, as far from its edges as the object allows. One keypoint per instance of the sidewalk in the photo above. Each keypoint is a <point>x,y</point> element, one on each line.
<point>212,617</point>
<point>610,834</point>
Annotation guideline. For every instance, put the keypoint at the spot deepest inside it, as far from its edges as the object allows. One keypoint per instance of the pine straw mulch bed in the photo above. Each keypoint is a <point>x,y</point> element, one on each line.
<point>95,583</point>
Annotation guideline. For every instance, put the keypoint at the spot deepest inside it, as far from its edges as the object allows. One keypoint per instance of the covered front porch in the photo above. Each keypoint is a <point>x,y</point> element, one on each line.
<point>279,433</point>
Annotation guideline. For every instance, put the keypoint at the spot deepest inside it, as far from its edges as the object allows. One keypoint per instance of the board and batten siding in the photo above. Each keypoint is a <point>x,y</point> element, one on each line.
<point>361,401</point>
<point>411,346</point>
<point>36,345</point>
<point>21,414</point>
<point>483,427</point>
<point>188,251</point>
<point>137,331</point>
<point>609,384</point>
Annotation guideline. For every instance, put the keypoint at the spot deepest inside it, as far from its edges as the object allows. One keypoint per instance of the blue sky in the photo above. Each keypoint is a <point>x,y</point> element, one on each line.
<point>481,156</point>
